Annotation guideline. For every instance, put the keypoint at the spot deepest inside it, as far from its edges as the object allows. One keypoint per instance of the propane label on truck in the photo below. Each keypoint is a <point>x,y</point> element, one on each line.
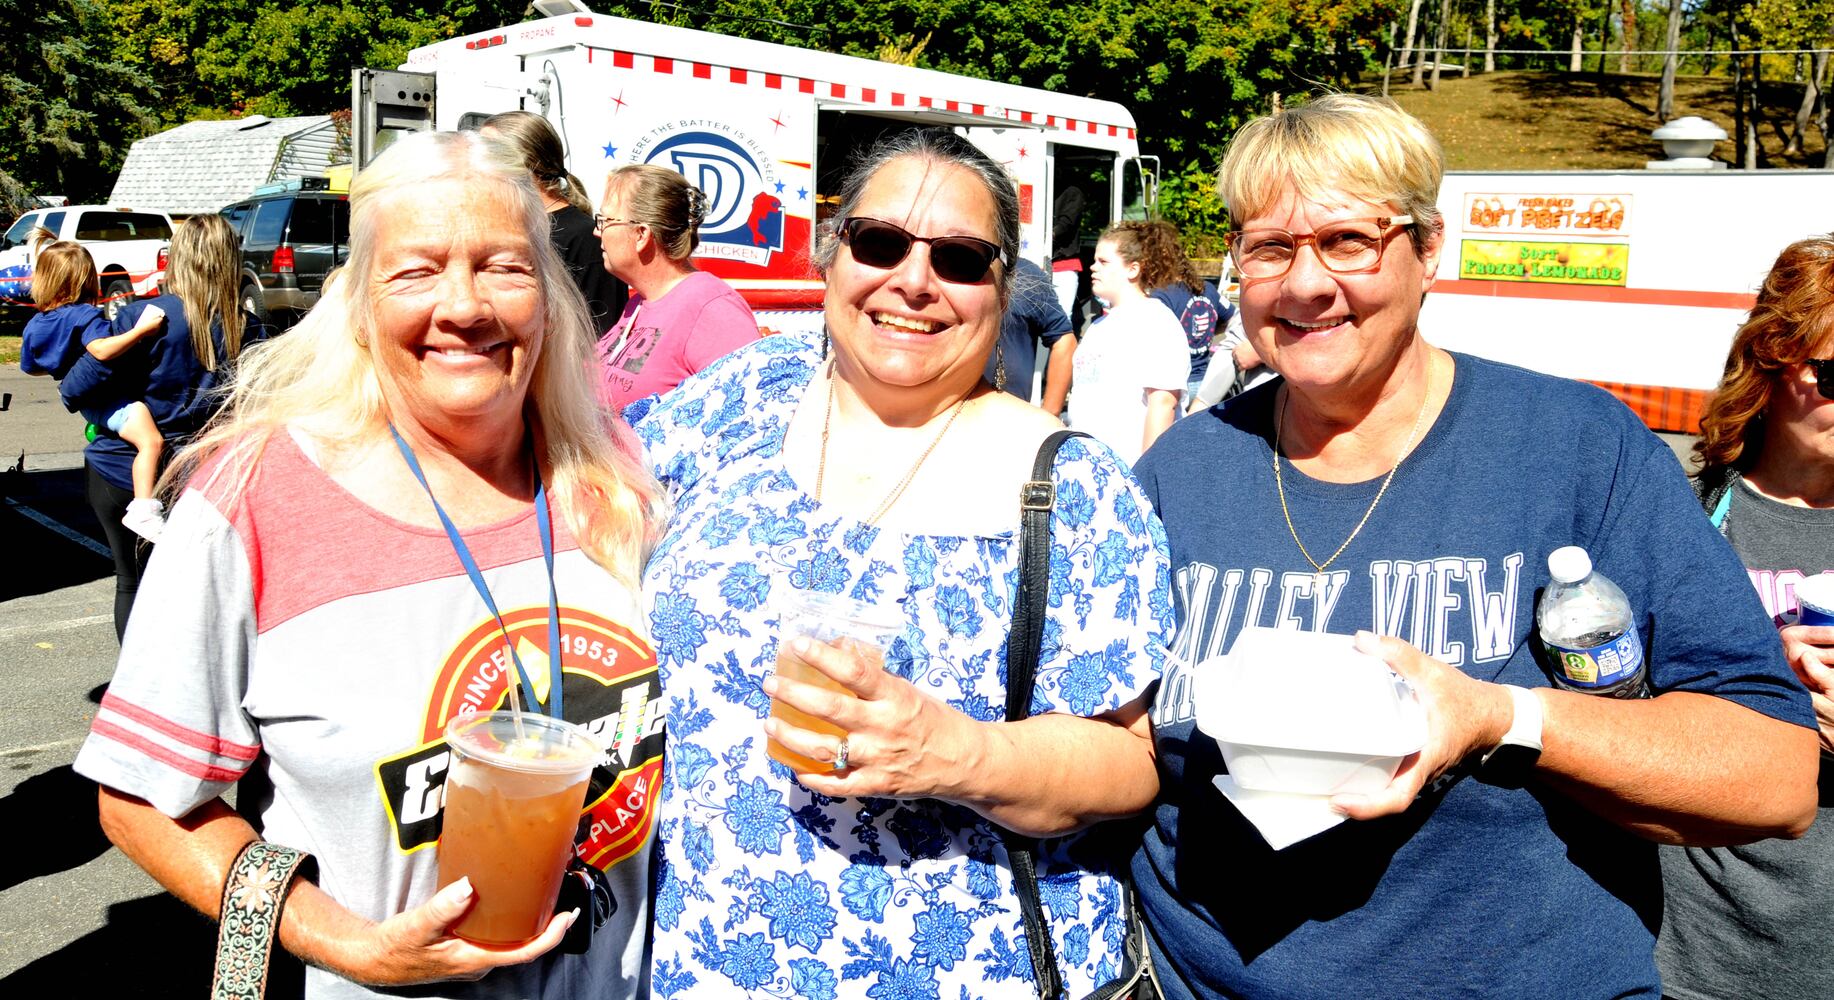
<point>1551,263</point>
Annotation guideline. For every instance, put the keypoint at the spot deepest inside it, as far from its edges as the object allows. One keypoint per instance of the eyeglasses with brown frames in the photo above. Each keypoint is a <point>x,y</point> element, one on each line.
<point>1345,246</point>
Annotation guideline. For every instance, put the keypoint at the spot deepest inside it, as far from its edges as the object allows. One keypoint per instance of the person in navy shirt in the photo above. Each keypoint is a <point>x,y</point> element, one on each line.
<point>176,374</point>
<point>1033,317</point>
<point>1385,488</point>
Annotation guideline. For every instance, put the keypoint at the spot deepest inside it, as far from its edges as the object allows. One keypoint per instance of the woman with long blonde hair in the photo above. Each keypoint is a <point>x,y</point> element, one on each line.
<point>530,139</point>
<point>176,373</point>
<point>411,510</point>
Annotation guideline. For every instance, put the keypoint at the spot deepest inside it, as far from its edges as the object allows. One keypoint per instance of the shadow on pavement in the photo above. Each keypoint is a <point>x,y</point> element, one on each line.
<point>49,559</point>
<point>154,947</point>
<point>64,832</point>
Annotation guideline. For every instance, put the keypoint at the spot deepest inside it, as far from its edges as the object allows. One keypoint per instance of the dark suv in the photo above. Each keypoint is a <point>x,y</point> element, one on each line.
<point>291,238</point>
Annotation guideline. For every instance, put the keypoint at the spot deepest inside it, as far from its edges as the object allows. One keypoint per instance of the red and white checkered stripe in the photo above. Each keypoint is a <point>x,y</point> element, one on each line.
<point>846,91</point>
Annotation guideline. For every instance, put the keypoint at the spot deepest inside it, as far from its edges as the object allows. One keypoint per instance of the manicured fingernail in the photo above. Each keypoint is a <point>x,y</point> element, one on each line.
<point>572,918</point>
<point>770,684</point>
<point>801,646</point>
<point>770,728</point>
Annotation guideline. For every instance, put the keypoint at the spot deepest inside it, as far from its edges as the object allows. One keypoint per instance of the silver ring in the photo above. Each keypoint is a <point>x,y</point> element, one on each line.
<point>840,757</point>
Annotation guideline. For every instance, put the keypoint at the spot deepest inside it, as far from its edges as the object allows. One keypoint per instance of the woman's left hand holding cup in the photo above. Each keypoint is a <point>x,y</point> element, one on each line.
<point>901,742</point>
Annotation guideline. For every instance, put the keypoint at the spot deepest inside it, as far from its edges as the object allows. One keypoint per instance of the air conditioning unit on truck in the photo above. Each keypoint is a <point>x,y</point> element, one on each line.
<point>1633,280</point>
<point>767,131</point>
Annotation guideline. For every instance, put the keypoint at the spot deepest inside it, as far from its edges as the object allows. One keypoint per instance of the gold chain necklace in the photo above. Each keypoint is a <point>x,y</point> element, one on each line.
<point>1318,568</point>
<point>827,423</point>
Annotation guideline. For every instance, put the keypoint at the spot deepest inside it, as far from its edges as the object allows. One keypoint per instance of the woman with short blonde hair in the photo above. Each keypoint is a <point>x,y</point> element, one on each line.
<point>1407,499</point>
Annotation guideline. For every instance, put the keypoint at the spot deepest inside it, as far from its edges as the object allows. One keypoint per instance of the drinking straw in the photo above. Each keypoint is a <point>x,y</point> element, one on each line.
<point>515,706</point>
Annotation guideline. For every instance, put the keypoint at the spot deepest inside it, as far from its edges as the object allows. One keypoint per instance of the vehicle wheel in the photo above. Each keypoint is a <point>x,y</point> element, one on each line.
<point>116,292</point>
<point>253,301</point>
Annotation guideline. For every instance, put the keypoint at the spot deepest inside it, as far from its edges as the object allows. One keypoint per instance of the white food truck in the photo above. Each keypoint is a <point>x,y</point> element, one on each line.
<point>1634,280</point>
<point>765,130</point>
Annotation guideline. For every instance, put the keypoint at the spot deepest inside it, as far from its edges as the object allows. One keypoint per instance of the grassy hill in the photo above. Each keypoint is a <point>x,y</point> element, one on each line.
<point>1522,120</point>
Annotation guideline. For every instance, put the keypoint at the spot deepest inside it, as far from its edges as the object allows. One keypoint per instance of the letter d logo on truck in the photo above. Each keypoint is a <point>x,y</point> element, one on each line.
<point>744,216</point>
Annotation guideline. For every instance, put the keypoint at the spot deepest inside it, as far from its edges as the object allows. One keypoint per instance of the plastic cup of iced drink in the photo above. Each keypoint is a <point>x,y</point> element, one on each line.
<point>864,629</point>
<point>1815,600</point>
<point>513,799</point>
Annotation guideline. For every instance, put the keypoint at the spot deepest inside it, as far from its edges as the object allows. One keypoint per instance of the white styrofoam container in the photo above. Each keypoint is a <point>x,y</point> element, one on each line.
<point>1307,713</point>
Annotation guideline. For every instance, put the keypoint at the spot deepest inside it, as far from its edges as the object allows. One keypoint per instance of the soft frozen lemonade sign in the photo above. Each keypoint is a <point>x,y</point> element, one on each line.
<point>744,215</point>
<point>1551,263</point>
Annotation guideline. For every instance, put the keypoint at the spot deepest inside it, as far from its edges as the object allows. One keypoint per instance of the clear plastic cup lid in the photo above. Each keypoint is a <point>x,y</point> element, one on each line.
<point>541,745</point>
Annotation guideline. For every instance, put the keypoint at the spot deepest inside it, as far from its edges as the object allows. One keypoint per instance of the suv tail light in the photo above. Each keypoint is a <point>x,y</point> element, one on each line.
<point>164,254</point>
<point>283,260</point>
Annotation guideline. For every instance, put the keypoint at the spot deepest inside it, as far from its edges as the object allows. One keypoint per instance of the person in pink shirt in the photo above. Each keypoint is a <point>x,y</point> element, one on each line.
<point>678,320</point>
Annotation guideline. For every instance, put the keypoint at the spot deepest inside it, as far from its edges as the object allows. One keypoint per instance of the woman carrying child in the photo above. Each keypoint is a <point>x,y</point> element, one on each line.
<point>66,288</point>
<point>173,374</point>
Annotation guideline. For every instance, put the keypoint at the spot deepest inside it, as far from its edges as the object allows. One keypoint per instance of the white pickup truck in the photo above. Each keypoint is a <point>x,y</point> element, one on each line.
<point>129,248</point>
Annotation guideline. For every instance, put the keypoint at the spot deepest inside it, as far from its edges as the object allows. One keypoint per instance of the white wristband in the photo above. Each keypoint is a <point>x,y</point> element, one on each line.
<point>1525,726</point>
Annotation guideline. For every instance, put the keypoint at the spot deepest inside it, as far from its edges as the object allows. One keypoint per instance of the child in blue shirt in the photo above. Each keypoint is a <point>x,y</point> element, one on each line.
<point>66,288</point>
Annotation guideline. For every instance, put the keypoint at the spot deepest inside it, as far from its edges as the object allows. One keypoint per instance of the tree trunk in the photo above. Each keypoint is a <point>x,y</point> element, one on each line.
<point>1464,65</point>
<point>1490,36</point>
<point>1439,40</point>
<point>1576,63</point>
<point>1628,14</point>
<point>1811,96</point>
<point>1604,38</point>
<point>1665,99</point>
<point>1388,59</point>
<point>1738,98</point>
<point>1407,44</point>
<point>1821,108</point>
<point>1754,150</point>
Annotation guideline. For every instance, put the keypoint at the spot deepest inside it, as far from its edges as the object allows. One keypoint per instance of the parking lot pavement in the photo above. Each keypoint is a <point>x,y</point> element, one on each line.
<point>74,912</point>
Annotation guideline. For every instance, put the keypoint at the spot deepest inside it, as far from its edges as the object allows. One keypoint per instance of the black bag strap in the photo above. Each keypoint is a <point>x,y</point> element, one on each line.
<point>1036,500</point>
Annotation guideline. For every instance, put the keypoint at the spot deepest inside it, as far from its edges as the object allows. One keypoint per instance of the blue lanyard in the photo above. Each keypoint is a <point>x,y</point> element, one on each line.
<point>546,530</point>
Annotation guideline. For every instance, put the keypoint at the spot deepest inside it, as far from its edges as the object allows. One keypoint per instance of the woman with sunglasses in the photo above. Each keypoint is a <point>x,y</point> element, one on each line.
<point>1735,916</point>
<point>1133,363</point>
<point>877,464</point>
<point>1387,490</point>
<point>678,319</point>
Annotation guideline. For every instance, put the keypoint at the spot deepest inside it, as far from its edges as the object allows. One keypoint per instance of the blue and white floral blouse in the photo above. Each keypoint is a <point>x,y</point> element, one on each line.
<point>765,889</point>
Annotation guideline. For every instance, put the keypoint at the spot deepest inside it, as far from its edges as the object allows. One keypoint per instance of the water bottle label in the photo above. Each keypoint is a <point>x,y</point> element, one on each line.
<point>1599,666</point>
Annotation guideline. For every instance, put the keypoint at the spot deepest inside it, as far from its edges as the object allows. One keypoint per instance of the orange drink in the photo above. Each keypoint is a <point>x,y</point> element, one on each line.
<point>513,804</point>
<point>855,626</point>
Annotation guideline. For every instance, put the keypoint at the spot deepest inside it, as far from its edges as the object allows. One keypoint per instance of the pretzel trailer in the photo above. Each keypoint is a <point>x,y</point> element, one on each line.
<point>1633,280</point>
<point>767,131</point>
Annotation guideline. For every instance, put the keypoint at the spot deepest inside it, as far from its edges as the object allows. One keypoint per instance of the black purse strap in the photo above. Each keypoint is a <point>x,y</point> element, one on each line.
<point>1036,500</point>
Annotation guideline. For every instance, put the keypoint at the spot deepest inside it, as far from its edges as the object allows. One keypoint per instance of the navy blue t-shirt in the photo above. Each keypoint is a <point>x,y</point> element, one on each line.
<point>163,371</point>
<point>1034,315</point>
<point>1475,891</point>
<point>1202,317</point>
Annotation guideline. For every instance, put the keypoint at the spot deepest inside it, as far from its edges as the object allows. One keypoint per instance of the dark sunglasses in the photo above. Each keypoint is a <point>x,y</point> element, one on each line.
<point>959,260</point>
<point>1824,375</point>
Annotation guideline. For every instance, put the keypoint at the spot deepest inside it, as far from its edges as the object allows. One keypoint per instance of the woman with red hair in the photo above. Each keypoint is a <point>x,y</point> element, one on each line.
<point>1736,916</point>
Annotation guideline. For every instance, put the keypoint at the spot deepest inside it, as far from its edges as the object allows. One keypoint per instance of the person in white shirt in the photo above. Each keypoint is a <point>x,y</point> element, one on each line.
<point>1132,363</point>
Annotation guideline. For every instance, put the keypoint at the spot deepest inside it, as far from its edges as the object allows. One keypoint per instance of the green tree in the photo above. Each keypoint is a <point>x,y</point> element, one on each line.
<point>222,58</point>
<point>72,108</point>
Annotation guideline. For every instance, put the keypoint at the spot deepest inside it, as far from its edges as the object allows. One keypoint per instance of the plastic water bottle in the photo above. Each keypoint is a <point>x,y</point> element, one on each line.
<point>1588,631</point>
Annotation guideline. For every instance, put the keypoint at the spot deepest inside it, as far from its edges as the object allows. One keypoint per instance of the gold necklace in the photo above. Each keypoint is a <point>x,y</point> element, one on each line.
<point>827,424</point>
<point>1318,568</point>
